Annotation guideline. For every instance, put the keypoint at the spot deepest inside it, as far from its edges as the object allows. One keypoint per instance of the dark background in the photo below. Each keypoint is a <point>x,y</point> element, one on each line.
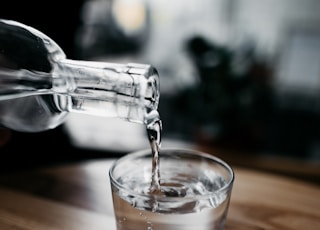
<point>210,114</point>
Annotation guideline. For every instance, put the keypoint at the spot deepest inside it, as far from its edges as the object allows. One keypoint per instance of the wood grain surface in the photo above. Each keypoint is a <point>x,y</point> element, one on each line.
<point>77,196</point>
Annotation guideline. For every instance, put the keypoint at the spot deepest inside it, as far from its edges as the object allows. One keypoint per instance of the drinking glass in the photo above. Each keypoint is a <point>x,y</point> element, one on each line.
<point>194,190</point>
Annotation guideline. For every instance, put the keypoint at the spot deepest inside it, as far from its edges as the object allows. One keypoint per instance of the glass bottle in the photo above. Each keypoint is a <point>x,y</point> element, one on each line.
<point>39,86</point>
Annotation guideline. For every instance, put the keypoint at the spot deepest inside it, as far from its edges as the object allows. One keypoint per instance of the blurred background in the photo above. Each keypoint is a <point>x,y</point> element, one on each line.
<point>238,78</point>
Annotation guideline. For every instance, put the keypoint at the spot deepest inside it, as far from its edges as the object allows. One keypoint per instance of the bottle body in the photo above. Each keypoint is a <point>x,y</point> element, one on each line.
<point>39,86</point>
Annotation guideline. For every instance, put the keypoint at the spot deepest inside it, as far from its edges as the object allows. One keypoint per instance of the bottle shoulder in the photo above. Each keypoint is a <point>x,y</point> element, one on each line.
<point>25,47</point>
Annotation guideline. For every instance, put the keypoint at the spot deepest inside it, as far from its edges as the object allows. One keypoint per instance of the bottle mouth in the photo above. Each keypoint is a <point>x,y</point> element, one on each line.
<point>153,81</point>
<point>151,90</point>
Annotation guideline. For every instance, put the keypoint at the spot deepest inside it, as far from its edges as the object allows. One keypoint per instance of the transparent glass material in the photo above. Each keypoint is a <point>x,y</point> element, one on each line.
<point>39,86</point>
<point>195,191</point>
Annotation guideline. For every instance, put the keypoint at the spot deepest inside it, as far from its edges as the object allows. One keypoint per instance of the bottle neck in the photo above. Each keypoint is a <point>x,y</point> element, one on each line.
<point>129,91</point>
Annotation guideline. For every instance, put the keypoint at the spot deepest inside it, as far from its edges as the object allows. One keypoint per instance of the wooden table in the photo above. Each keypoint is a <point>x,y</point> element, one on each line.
<point>77,196</point>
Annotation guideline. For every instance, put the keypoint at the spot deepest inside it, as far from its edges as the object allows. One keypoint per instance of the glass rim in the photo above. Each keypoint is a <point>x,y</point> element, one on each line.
<point>145,152</point>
